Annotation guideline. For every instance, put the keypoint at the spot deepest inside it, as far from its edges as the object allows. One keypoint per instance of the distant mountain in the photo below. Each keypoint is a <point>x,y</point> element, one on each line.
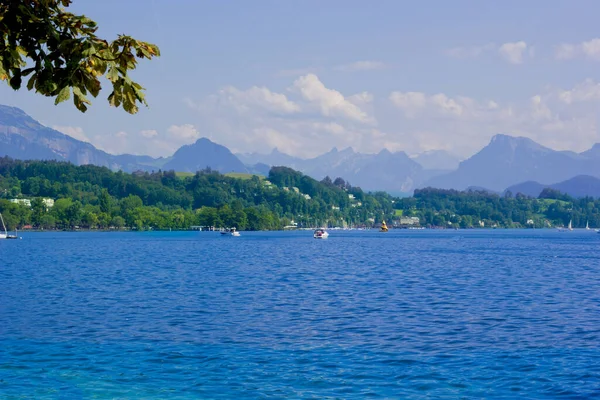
<point>392,172</point>
<point>259,169</point>
<point>22,137</point>
<point>437,160</point>
<point>529,188</point>
<point>275,158</point>
<point>202,154</point>
<point>508,160</point>
<point>579,186</point>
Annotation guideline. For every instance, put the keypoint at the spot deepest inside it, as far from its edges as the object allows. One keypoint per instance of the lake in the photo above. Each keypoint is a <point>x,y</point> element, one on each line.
<point>403,314</point>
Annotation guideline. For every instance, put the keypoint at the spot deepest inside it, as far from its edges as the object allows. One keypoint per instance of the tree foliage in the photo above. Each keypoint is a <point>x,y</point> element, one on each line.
<point>59,54</point>
<point>95,197</point>
<point>451,208</point>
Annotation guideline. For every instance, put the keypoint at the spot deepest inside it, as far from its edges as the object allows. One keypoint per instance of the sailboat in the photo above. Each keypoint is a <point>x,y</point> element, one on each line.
<point>5,235</point>
<point>384,227</point>
<point>570,225</point>
<point>587,225</point>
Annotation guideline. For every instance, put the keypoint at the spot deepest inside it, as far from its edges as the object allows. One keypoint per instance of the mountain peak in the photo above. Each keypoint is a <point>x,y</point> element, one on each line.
<point>503,140</point>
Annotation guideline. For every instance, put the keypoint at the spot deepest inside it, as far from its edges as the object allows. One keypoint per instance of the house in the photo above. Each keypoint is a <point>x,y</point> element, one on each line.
<point>409,221</point>
<point>23,202</point>
<point>49,203</point>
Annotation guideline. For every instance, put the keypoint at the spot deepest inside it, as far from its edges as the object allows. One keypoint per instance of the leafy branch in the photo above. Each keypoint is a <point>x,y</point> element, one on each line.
<point>60,53</point>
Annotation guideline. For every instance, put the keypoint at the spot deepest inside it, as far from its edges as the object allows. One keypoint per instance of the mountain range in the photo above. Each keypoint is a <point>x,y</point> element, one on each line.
<point>506,161</point>
<point>578,186</point>
<point>509,160</point>
<point>394,172</point>
<point>22,137</point>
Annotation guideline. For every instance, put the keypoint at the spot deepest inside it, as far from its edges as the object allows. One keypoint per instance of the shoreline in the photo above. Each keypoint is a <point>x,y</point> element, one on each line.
<point>21,231</point>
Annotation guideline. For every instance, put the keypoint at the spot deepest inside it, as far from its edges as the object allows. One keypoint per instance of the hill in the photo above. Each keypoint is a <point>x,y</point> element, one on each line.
<point>202,154</point>
<point>91,196</point>
<point>22,137</point>
<point>579,186</point>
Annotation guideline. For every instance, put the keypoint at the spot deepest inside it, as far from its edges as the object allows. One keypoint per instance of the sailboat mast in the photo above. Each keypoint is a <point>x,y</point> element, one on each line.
<point>3,226</point>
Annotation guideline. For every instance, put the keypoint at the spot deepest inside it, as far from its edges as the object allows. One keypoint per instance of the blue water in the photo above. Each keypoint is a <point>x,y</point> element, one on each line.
<point>407,314</point>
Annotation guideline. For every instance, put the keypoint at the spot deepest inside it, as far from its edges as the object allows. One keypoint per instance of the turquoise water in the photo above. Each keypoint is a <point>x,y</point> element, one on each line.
<point>406,314</point>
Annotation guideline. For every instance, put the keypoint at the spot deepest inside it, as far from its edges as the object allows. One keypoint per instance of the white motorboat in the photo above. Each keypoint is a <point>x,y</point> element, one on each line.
<point>320,234</point>
<point>231,232</point>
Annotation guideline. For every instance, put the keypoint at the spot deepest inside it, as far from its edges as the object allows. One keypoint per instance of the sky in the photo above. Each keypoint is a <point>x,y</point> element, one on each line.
<point>306,76</point>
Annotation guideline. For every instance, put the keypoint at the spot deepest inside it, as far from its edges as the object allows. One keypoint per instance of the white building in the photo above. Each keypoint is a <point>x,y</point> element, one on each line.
<point>409,220</point>
<point>49,203</point>
<point>23,202</point>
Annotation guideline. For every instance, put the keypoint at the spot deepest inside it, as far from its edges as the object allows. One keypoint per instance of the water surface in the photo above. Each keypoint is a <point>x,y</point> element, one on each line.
<point>405,314</point>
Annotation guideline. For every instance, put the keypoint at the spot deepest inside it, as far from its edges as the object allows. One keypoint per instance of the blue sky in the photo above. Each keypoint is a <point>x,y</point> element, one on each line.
<point>305,76</point>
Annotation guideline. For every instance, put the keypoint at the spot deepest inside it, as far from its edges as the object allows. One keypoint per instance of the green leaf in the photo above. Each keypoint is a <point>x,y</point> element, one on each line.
<point>31,81</point>
<point>112,74</point>
<point>80,96</point>
<point>27,71</point>
<point>63,95</point>
<point>90,51</point>
<point>15,82</point>
<point>79,104</point>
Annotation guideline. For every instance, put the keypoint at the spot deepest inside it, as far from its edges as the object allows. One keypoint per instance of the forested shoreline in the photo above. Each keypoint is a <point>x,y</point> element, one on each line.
<point>91,197</point>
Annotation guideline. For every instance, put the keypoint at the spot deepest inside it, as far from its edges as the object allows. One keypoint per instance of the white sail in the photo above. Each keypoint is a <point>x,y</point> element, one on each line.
<point>5,234</point>
<point>570,225</point>
<point>587,225</point>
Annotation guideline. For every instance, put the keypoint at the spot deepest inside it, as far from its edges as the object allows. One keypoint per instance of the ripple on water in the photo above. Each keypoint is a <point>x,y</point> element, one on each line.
<point>500,314</point>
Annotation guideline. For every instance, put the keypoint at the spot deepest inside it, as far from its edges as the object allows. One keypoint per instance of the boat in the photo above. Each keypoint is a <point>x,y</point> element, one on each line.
<point>570,225</point>
<point>320,234</point>
<point>5,235</point>
<point>384,227</point>
<point>587,225</point>
<point>230,232</point>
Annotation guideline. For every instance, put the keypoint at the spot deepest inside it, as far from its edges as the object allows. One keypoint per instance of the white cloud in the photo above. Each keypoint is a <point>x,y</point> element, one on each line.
<point>147,142</point>
<point>412,121</point>
<point>149,133</point>
<point>586,91</point>
<point>75,132</point>
<point>589,49</point>
<point>361,66</point>
<point>469,51</point>
<point>539,108</point>
<point>360,99</point>
<point>330,102</point>
<point>295,72</point>
<point>513,52</point>
<point>185,132</point>
<point>410,102</point>
<point>413,103</point>
<point>558,118</point>
<point>257,98</point>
